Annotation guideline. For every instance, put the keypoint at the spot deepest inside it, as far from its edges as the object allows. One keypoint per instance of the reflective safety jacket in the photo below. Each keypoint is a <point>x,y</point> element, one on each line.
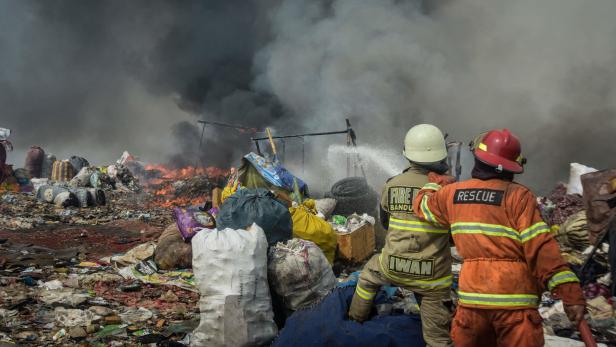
<point>509,254</point>
<point>416,253</point>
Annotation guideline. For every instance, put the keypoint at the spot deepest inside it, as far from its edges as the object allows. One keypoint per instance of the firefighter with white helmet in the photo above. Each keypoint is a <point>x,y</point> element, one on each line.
<point>416,255</point>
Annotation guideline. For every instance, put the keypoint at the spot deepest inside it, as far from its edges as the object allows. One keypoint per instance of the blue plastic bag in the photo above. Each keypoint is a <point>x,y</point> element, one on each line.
<point>327,324</point>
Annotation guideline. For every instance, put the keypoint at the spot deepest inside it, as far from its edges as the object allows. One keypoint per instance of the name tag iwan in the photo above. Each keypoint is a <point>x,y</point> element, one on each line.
<point>414,267</point>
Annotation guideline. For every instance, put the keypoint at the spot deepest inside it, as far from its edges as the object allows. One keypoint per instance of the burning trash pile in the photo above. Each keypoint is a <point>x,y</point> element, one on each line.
<point>135,269</point>
<point>115,255</point>
<point>580,215</point>
<point>183,187</point>
<point>134,254</point>
<point>47,191</point>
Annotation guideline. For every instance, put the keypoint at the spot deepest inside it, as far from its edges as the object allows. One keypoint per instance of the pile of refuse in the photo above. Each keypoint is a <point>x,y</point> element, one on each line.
<point>133,254</point>
<point>23,211</point>
<point>263,257</point>
<point>184,189</point>
<point>48,192</point>
<point>72,301</point>
<point>579,214</point>
<point>72,175</point>
<point>130,271</point>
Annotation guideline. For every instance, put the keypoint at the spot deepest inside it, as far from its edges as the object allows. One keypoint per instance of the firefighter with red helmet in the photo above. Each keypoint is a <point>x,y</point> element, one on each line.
<point>510,256</point>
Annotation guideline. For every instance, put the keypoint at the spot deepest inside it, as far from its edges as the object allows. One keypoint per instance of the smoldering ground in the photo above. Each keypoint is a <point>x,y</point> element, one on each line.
<point>105,76</point>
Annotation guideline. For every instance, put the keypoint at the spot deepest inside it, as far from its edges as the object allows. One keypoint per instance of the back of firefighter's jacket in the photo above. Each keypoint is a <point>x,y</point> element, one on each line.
<point>509,253</point>
<point>416,253</point>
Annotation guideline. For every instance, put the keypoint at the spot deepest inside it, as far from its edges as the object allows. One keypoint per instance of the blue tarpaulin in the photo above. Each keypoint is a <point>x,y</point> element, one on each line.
<point>390,291</point>
<point>327,324</point>
<point>274,173</point>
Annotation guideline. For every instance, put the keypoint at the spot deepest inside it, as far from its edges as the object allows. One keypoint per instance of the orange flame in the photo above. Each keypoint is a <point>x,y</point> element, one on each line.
<point>161,187</point>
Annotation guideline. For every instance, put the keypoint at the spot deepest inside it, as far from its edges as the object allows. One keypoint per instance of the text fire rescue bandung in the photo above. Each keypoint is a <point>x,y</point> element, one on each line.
<point>401,198</point>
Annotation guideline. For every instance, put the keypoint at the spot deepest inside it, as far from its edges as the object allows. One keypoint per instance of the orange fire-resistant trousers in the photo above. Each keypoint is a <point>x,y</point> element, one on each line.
<point>473,327</point>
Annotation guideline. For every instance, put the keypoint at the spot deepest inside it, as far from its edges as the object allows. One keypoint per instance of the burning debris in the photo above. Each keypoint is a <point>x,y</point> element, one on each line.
<point>116,254</point>
<point>182,187</point>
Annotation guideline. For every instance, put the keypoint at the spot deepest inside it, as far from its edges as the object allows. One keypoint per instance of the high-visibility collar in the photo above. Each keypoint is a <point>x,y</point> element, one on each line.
<point>498,300</point>
<point>415,225</point>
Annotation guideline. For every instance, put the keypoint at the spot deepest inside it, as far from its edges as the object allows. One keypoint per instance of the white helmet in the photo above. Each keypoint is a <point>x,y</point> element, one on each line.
<point>425,143</point>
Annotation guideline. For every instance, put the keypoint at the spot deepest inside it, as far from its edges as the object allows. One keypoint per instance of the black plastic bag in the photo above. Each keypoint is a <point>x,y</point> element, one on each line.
<point>248,206</point>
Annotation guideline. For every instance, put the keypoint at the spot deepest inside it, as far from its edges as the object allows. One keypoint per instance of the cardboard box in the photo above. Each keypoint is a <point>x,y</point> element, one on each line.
<point>358,245</point>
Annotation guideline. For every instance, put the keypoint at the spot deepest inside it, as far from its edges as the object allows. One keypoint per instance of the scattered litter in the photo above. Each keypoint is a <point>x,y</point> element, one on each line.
<point>74,317</point>
<point>136,315</point>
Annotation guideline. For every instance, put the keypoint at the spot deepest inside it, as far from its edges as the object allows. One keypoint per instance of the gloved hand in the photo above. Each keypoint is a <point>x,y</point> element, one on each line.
<point>441,180</point>
<point>573,301</point>
<point>575,313</point>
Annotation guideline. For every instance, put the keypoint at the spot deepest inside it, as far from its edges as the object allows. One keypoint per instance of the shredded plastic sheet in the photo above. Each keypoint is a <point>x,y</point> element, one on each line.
<point>147,272</point>
<point>307,226</point>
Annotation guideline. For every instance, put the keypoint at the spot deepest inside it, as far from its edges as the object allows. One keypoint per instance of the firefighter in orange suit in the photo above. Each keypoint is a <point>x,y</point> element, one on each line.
<point>510,257</point>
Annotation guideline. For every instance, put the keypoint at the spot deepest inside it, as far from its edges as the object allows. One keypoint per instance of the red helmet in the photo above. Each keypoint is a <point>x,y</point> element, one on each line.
<point>500,149</point>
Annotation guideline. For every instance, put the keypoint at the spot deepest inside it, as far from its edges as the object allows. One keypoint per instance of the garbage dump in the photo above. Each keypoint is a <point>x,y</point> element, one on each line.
<point>131,253</point>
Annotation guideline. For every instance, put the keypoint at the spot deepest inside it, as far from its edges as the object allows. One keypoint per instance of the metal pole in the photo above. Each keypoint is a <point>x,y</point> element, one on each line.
<point>199,158</point>
<point>227,125</point>
<point>348,155</point>
<point>303,135</point>
<point>303,156</point>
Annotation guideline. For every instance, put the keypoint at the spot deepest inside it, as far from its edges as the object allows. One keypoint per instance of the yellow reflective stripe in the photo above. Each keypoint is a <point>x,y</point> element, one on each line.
<point>427,213</point>
<point>484,229</point>
<point>511,300</point>
<point>364,294</point>
<point>367,298</point>
<point>410,222</point>
<point>413,225</point>
<point>482,146</point>
<point>432,186</point>
<point>443,282</point>
<point>562,277</point>
<point>533,231</point>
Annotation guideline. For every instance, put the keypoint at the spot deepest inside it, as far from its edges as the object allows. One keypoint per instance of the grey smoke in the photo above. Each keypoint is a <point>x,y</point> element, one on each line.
<point>100,77</point>
<point>96,78</point>
<point>543,69</point>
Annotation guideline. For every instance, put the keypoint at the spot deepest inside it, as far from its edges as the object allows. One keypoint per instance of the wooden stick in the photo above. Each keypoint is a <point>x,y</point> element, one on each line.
<point>271,140</point>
